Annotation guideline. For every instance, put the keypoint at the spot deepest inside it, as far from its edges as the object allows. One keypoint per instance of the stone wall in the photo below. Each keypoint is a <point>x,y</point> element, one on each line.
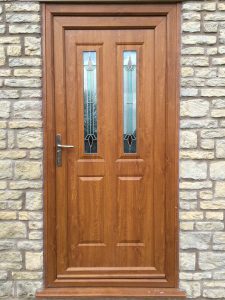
<point>21,234</point>
<point>202,154</point>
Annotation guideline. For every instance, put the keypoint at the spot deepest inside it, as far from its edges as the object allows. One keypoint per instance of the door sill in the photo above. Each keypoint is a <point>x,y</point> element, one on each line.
<point>109,292</point>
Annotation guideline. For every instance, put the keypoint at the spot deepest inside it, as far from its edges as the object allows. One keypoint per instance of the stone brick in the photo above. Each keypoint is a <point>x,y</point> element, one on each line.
<point>6,289</point>
<point>7,215</point>
<point>193,170</point>
<point>194,154</point>
<point>206,72</point>
<point>209,226</point>
<point>23,6</point>
<point>220,189</point>
<point>29,139</point>
<point>211,260</point>
<point>25,124</point>
<point>217,170</point>
<point>24,62</point>
<point>218,113</point>
<point>187,261</point>
<point>194,108</point>
<point>24,28</point>
<point>33,200</point>
<point>214,216</point>
<point>193,50</point>
<point>10,256</point>
<point>198,123</point>
<point>207,144</point>
<point>27,72</point>
<point>213,133</point>
<point>191,26</point>
<point>218,16</point>
<point>14,50</point>
<point>210,6</point>
<point>34,260</point>
<point>188,195</point>
<point>199,39</point>
<point>11,230</point>
<point>195,275</point>
<point>189,92</point>
<point>32,46</point>
<point>6,94</point>
<point>210,26</point>
<point>221,72</point>
<point>4,109</point>
<point>213,92</point>
<point>9,40</point>
<point>195,61</point>
<point>12,154</point>
<point>206,194</point>
<point>35,235</point>
<point>191,215</point>
<point>30,245</point>
<point>3,275</point>
<point>24,184</point>
<point>191,16</point>
<point>28,170</point>
<point>23,82</point>
<point>188,139</point>
<point>28,289</point>
<point>215,82</point>
<point>219,238</point>
<point>191,5</point>
<point>218,61</point>
<point>36,225</point>
<point>22,17</point>
<point>214,293</point>
<point>218,204</point>
<point>192,289</point>
<point>6,169</point>
<point>29,215</point>
<point>26,275</point>
<point>195,240</point>
<point>218,103</point>
<point>196,185</point>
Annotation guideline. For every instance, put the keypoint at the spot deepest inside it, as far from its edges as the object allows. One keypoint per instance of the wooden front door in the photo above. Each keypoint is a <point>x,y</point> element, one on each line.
<point>111,93</point>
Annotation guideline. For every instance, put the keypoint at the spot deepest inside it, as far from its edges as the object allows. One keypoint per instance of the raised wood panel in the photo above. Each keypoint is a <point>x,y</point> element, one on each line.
<point>130,211</point>
<point>111,218</point>
<point>90,212</point>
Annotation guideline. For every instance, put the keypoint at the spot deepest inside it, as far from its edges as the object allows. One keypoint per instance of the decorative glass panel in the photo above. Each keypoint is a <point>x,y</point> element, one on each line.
<point>129,101</point>
<point>90,102</point>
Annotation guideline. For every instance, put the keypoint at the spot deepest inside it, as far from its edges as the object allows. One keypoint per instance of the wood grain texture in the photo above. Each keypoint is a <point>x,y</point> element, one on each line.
<point>110,292</point>
<point>110,217</point>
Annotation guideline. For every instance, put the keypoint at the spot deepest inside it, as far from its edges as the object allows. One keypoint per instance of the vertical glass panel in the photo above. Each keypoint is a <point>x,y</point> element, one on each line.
<point>129,101</point>
<point>90,102</point>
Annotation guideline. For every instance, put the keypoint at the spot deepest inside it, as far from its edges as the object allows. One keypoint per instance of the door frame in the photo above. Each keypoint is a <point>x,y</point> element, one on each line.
<point>49,11</point>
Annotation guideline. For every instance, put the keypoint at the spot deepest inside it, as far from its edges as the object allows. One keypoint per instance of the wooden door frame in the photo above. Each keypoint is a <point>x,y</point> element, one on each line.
<point>172,12</point>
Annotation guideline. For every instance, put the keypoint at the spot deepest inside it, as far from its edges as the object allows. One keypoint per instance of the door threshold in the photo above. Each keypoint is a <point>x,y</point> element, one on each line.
<point>70,292</point>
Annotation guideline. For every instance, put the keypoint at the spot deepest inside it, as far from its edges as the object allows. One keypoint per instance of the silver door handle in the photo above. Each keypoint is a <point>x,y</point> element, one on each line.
<point>59,148</point>
<point>65,146</point>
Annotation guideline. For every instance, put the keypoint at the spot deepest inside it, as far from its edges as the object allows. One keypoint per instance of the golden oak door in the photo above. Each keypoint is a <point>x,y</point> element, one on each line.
<point>112,189</point>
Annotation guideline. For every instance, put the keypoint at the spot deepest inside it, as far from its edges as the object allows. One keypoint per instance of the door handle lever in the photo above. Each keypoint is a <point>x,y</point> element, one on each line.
<point>59,147</point>
<point>65,146</point>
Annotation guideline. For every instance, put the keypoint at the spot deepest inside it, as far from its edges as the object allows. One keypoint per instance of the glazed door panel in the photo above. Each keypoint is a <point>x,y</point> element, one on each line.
<point>114,208</point>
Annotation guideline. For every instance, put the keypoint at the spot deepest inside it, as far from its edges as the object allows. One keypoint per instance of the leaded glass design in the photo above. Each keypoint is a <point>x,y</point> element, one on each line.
<point>129,101</point>
<point>90,102</point>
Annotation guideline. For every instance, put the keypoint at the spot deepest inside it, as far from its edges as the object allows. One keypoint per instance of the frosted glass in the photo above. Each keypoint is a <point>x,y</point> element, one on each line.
<point>129,101</point>
<point>90,102</point>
